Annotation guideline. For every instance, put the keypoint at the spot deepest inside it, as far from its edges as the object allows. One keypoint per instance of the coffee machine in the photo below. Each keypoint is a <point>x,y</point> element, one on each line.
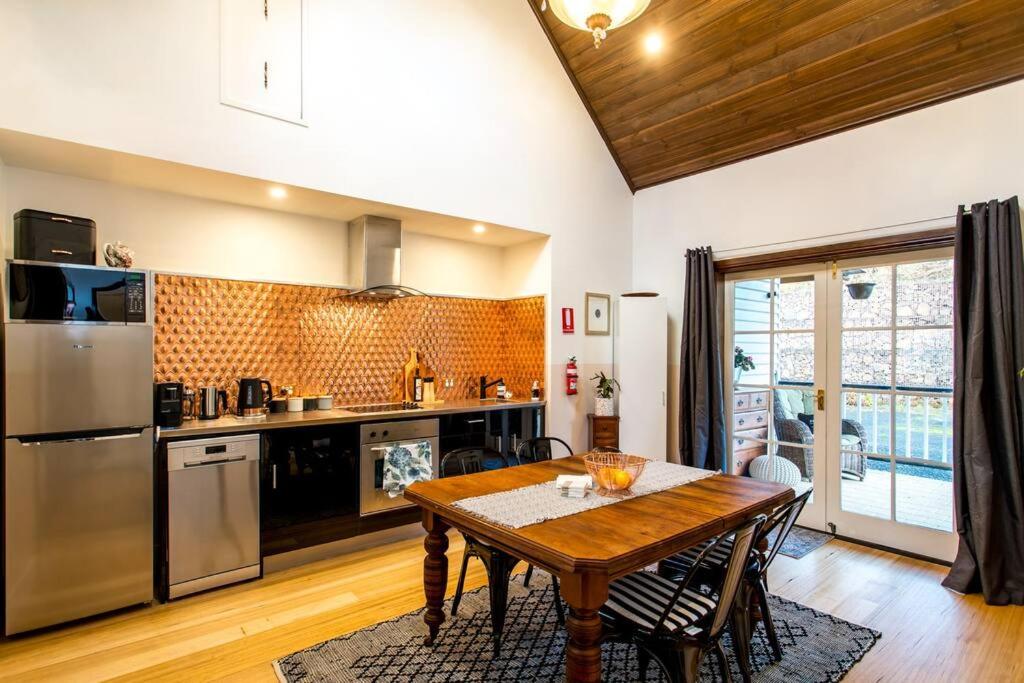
<point>169,401</point>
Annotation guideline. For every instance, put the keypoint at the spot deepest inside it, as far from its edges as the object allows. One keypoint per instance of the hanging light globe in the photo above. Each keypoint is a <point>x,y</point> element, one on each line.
<point>598,16</point>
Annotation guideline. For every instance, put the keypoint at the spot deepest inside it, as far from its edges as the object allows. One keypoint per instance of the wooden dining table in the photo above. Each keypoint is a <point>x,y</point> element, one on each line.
<point>586,550</point>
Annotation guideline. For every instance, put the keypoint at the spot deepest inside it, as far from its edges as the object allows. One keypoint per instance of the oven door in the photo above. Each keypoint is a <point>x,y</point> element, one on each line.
<point>372,497</point>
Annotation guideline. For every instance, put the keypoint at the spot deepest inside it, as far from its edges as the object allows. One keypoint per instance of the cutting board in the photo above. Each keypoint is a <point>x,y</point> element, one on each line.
<point>414,363</point>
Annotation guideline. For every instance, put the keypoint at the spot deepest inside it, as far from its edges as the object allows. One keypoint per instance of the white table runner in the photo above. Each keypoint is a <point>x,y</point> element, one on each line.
<point>540,502</point>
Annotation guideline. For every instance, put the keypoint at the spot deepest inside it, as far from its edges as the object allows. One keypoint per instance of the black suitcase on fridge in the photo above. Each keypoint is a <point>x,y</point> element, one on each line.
<point>46,236</point>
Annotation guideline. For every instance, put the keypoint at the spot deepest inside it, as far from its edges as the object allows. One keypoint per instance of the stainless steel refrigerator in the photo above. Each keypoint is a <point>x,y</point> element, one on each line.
<point>78,442</point>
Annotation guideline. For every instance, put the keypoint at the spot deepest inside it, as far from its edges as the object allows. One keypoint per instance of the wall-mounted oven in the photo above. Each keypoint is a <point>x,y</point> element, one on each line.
<point>375,440</point>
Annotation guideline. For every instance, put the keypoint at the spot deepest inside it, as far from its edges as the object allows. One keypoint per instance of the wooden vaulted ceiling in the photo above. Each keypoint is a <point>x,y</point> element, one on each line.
<point>739,78</point>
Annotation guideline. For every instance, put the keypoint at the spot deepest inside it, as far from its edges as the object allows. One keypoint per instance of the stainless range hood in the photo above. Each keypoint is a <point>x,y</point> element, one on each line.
<point>375,258</point>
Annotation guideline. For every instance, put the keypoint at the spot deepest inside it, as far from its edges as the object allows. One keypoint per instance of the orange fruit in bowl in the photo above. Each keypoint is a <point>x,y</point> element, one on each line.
<point>613,478</point>
<point>622,478</point>
<point>605,478</point>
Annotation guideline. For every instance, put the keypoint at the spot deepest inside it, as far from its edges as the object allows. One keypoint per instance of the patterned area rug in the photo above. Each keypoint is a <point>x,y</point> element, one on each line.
<point>801,541</point>
<point>817,647</point>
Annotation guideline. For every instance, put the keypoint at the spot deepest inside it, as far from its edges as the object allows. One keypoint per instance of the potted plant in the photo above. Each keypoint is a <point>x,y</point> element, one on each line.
<point>741,362</point>
<point>604,404</point>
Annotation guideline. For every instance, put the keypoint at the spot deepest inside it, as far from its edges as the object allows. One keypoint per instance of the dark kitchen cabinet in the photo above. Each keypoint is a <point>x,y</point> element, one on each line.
<point>309,486</point>
<point>502,430</point>
<point>524,424</point>
<point>509,428</point>
<point>463,430</point>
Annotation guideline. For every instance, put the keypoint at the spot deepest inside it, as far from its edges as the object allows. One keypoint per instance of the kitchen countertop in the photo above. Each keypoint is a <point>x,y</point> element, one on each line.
<point>230,424</point>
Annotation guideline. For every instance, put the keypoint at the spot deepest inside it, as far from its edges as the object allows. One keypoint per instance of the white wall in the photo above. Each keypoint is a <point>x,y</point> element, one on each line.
<point>454,106</point>
<point>179,234</point>
<point>910,168</point>
<point>443,266</point>
<point>526,268</point>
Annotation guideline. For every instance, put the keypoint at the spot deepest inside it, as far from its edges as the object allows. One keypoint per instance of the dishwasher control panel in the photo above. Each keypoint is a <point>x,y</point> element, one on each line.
<point>216,451</point>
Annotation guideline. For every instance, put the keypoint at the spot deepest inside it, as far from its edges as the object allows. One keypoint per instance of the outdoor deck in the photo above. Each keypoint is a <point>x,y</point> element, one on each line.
<point>924,495</point>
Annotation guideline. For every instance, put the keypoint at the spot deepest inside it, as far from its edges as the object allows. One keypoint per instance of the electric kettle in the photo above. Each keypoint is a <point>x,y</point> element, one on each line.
<point>254,396</point>
<point>208,409</point>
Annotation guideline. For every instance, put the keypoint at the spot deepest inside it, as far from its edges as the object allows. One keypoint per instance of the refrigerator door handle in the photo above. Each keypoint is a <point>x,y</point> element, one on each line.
<point>27,441</point>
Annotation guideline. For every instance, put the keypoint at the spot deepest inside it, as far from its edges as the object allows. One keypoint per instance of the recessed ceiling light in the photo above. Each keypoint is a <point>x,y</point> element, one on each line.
<point>653,44</point>
<point>479,229</point>
<point>278,192</point>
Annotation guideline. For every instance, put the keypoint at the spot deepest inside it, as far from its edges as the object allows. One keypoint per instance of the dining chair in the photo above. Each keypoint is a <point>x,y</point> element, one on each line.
<point>604,449</point>
<point>539,449</point>
<point>754,590</point>
<point>498,563</point>
<point>679,622</point>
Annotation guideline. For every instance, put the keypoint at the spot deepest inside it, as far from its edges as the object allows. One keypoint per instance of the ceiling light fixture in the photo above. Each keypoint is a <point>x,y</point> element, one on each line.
<point>479,229</point>
<point>278,192</point>
<point>597,16</point>
<point>653,44</point>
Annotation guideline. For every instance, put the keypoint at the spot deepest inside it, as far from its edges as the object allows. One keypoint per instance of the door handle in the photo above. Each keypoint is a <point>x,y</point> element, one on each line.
<point>219,461</point>
<point>821,399</point>
<point>109,437</point>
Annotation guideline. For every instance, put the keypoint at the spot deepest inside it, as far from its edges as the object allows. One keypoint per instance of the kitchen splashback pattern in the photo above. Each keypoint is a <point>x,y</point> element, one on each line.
<point>211,331</point>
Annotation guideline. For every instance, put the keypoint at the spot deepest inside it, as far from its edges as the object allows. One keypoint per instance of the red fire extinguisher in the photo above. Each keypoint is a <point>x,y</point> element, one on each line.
<point>571,376</point>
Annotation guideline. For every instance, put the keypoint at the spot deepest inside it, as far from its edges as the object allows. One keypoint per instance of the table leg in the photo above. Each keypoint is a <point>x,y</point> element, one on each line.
<point>435,573</point>
<point>585,594</point>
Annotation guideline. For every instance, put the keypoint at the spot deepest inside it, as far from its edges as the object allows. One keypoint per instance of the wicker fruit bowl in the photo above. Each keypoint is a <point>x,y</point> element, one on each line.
<point>614,471</point>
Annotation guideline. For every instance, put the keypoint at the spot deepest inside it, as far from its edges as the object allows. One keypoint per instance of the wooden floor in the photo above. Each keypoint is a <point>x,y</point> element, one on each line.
<point>928,633</point>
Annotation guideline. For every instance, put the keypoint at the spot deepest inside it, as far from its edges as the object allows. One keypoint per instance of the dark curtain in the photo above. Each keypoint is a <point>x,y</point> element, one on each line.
<point>988,403</point>
<point>701,403</point>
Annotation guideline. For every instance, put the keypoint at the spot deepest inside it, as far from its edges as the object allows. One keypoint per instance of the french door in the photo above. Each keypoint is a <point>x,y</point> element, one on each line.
<point>777,365</point>
<point>841,380</point>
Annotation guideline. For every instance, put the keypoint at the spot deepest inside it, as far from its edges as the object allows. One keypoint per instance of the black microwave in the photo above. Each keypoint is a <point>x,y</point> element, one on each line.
<point>52,292</point>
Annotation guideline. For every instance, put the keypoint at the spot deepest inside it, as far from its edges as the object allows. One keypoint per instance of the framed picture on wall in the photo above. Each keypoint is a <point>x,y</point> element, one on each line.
<point>599,314</point>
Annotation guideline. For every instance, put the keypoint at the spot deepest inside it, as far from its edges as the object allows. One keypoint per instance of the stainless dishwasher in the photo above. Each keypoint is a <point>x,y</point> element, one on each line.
<point>213,514</point>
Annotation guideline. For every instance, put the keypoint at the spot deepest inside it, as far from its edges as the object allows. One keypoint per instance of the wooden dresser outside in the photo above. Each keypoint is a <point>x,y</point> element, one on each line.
<point>750,421</point>
<point>604,431</point>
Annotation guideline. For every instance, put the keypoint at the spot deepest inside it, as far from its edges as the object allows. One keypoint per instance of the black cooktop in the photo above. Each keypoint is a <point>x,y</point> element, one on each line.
<point>382,407</point>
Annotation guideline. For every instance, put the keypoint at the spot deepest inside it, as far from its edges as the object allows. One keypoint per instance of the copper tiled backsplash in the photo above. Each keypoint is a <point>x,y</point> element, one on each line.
<point>211,331</point>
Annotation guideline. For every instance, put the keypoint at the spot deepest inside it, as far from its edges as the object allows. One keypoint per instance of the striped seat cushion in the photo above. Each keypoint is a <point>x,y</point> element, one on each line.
<point>641,598</point>
<point>680,563</point>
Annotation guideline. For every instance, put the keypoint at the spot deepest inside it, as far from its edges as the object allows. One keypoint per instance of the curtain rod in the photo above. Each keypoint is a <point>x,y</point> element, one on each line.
<point>894,229</point>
